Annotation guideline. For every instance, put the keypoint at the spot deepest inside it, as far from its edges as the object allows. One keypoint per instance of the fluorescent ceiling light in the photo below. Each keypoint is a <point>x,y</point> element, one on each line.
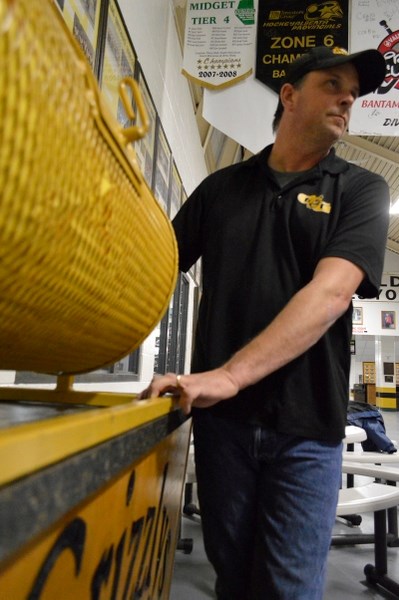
<point>394,210</point>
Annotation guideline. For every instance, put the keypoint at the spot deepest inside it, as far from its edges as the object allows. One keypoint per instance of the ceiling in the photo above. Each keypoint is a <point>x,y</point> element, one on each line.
<point>379,154</point>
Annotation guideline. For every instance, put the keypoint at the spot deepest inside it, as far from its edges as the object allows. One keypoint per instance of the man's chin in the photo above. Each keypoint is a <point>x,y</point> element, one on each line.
<point>337,132</point>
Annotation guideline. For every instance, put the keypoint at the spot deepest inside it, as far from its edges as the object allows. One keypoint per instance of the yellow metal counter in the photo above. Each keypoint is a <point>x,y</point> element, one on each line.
<point>90,494</point>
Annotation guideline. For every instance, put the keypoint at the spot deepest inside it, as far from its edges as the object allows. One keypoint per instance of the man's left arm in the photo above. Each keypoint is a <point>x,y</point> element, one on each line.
<point>302,322</point>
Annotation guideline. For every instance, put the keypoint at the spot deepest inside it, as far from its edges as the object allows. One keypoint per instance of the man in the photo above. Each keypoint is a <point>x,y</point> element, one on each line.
<point>286,239</point>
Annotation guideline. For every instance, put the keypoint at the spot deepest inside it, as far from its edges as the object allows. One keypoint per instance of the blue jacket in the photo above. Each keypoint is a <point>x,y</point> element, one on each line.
<point>370,419</point>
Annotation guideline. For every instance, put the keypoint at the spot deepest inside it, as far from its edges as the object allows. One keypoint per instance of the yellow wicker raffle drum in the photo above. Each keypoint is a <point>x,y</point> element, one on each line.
<point>87,256</point>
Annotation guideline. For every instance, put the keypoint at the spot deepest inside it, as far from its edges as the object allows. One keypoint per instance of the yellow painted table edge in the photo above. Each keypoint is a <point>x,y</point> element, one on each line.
<point>32,446</point>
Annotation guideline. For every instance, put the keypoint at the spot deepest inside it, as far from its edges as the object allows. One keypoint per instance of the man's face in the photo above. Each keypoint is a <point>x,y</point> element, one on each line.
<point>323,102</point>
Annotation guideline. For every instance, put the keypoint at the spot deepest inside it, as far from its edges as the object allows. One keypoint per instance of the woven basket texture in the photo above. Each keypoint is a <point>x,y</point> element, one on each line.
<point>88,259</point>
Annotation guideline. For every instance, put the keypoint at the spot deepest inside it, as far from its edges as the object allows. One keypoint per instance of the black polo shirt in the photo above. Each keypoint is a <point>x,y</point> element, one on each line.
<point>259,245</point>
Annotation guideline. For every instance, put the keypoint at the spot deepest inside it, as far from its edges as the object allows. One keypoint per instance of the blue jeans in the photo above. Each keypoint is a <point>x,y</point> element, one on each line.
<point>268,504</point>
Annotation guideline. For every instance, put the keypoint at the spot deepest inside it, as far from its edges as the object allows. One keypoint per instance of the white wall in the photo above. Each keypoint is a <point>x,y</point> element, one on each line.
<point>365,344</point>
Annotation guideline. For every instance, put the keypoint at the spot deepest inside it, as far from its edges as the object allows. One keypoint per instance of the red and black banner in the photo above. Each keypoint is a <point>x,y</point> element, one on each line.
<point>377,112</point>
<point>288,28</point>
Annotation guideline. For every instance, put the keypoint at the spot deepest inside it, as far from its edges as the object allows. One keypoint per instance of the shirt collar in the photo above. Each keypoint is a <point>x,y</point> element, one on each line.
<point>331,163</point>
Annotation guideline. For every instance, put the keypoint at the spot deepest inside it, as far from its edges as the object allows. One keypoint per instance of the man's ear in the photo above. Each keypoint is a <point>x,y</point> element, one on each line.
<point>286,94</point>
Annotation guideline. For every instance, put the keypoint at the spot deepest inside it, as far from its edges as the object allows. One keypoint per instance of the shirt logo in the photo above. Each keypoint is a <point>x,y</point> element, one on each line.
<point>315,203</point>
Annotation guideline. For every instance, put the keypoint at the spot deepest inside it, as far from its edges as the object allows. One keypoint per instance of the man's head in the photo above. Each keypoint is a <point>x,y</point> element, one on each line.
<point>369,64</point>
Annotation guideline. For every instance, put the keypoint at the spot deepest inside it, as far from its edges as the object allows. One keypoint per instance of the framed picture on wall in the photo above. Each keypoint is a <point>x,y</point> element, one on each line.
<point>175,191</point>
<point>119,61</point>
<point>83,19</point>
<point>357,315</point>
<point>145,147</point>
<point>388,319</point>
<point>163,161</point>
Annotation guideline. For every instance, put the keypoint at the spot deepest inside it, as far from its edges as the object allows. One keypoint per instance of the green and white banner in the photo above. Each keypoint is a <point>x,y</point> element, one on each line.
<point>219,42</point>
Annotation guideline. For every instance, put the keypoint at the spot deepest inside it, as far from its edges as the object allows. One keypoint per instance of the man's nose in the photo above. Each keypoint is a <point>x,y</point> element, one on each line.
<point>348,97</point>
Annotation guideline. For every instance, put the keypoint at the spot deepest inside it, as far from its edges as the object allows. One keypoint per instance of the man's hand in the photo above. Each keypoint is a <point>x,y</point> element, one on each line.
<point>199,389</point>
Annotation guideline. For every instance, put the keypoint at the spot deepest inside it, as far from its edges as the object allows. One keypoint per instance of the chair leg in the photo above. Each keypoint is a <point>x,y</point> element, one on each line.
<point>354,520</point>
<point>393,522</point>
<point>377,575</point>
<point>185,544</point>
<point>380,543</point>
<point>189,508</point>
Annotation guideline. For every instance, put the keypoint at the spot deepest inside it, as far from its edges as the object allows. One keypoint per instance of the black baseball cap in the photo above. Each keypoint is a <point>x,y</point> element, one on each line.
<point>370,65</point>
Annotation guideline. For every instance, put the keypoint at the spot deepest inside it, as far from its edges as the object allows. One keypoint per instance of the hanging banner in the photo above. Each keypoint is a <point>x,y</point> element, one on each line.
<point>243,112</point>
<point>219,42</point>
<point>288,28</point>
<point>375,24</point>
